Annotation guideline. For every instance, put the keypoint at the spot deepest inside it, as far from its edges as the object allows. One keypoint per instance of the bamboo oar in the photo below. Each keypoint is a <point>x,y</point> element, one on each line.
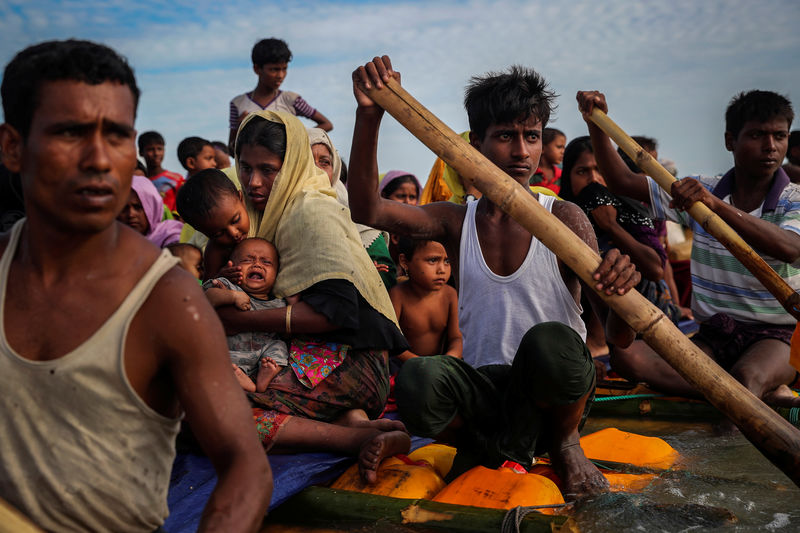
<point>13,521</point>
<point>712,223</point>
<point>778,440</point>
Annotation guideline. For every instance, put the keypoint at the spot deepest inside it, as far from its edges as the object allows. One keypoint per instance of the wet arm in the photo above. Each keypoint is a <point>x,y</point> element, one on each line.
<point>217,411</point>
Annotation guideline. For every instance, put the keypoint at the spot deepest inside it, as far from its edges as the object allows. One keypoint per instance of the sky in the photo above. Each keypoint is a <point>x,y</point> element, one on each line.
<point>668,69</point>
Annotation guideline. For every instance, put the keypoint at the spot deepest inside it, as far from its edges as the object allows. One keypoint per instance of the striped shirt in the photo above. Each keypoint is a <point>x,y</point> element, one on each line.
<point>285,101</point>
<point>720,283</point>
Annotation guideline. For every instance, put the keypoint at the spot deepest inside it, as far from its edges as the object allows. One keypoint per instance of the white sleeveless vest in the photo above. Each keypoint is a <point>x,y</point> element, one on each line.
<point>79,449</point>
<point>494,311</point>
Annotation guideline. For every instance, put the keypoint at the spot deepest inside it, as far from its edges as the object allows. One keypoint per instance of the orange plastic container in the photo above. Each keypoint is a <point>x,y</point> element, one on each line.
<point>439,456</point>
<point>396,478</point>
<point>611,444</point>
<point>500,489</point>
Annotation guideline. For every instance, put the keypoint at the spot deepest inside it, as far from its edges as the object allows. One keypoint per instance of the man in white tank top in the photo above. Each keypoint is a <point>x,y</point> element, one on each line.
<point>104,343</point>
<point>534,388</point>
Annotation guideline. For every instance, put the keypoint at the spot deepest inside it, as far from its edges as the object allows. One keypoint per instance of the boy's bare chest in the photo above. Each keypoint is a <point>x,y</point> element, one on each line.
<point>426,316</point>
<point>504,245</point>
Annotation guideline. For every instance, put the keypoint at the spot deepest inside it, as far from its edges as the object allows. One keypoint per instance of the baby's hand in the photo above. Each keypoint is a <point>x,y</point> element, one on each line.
<point>241,300</point>
<point>233,273</point>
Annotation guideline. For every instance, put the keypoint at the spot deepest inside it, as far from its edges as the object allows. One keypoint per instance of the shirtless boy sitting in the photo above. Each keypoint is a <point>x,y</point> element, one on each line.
<point>426,306</point>
<point>257,354</point>
<point>525,380</point>
<point>109,343</point>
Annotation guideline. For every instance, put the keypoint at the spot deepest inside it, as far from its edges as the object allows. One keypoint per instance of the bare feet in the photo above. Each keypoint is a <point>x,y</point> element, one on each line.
<point>377,448</point>
<point>357,418</point>
<point>246,383</point>
<point>578,475</point>
<point>266,372</point>
<point>782,396</point>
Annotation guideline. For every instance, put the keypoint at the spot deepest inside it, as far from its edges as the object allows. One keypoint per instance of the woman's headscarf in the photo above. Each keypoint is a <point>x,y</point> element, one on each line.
<point>320,136</point>
<point>315,238</point>
<point>161,232</point>
<point>392,175</point>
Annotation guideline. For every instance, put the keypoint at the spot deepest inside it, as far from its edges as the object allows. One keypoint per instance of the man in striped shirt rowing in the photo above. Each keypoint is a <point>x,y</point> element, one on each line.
<point>743,327</point>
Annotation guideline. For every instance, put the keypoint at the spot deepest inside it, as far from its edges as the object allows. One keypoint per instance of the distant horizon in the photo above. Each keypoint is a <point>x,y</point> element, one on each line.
<point>668,70</point>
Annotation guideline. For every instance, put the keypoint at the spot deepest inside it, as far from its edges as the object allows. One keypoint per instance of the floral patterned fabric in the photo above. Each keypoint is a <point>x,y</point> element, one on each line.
<point>313,361</point>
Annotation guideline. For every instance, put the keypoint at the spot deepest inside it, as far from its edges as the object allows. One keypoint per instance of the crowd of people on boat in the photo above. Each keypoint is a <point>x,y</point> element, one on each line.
<point>274,299</point>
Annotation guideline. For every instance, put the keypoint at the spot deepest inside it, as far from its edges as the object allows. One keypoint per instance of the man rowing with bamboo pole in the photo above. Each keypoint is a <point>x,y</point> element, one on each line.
<point>743,327</point>
<point>519,304</point>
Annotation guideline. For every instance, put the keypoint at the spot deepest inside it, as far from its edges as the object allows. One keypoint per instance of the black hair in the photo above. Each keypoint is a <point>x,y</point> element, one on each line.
<point>221,146</point>
<point>343,173</point>
<point>261,132</point>
<point>756,105</point>
<point>408,246</point>
<point>149,138</point>
<point>794,139</point>
<point>515,95</point>
<point>141,166</point>
<point>191,147</point>
<point>270,50</point>
<point>175,248</point>
<point>574,150</point>
<point>74,60</point>
<point>201,194</point>
<point>649,144</point>
<point>396,183</point>
<point>262,239</point>
<point>549,135</point>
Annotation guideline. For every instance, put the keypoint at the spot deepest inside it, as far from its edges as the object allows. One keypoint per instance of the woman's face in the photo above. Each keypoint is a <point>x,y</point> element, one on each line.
<point>405,194</point>
<point>323,159</point>
<point>133,214</point>
<point>585,172</point>
<point>258,168</point>
<point>554,151</point>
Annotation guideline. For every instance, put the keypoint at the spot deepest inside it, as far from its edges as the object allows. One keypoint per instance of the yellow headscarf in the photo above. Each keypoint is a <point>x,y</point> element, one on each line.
<point>315,238</point>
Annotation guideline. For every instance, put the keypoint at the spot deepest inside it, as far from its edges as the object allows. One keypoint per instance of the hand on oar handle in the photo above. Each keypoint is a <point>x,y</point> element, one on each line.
<point>588,100</point>
<point>616,273</point>
<point>372,75</point>
<point>687,191</point>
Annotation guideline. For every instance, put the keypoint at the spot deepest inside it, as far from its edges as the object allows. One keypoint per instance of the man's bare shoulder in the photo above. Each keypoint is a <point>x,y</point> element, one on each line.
<point>575,219</point>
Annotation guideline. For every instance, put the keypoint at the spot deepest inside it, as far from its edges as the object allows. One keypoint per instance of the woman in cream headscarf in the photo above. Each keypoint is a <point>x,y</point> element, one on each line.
<point>339,302</point>
<point>327,158</point>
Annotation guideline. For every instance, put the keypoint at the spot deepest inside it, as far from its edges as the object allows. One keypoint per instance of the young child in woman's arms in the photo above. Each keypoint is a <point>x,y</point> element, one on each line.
<point>258,356</point>
<point>426,306</point>
<point>211,203</point>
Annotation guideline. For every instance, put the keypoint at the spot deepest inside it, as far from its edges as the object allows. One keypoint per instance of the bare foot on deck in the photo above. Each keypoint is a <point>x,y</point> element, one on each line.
<point>266,372</point>
<point>246,383</point>
<point>782,396</point>
<point>377,448</point>
<point>357,418</point>
<point>579,477</point>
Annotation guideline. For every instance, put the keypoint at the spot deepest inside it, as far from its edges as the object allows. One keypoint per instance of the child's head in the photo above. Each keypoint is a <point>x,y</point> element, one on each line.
<point>580,168</point>
<point>140,169</point>
<point>211,203</point>
<point>648,144</point>
<point>222,154</point>
<point>553,143</point>
<point>757,132</point>
<point>196,154</point>
<point>425,262</point>
<point>793,150</point>
<point>270,61</point>
<point>151,148</point>
<point>191,257</point>
<point>400,186</point>
<point>504,98</point>
<point>258,259</point>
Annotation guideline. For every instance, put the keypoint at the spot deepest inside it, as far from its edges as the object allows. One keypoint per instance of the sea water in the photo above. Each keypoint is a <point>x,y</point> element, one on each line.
<point>721,483</point>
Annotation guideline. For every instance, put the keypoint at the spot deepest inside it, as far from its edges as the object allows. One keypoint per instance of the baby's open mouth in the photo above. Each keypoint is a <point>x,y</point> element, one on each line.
<point>255,275</point>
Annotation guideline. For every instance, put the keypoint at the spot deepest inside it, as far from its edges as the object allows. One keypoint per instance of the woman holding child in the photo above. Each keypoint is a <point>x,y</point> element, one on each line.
<point>338,298</point>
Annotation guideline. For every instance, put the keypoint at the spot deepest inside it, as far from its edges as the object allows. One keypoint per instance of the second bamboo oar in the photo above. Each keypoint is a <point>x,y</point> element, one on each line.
<point>778,440</point>
<point>712,223</point>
